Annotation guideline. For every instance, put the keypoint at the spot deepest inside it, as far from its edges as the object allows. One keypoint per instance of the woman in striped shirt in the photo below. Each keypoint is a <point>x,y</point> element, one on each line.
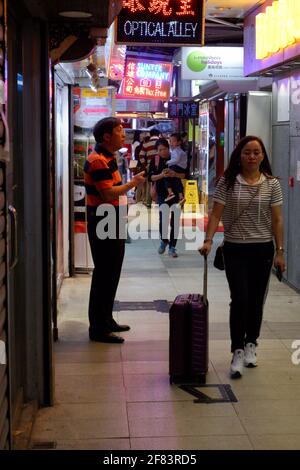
<point>248,199</point>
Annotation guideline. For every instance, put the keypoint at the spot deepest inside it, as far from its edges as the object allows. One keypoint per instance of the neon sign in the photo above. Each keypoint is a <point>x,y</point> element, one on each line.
<point>179,22</point>
<point>147,79</point>
<point>277,28</point>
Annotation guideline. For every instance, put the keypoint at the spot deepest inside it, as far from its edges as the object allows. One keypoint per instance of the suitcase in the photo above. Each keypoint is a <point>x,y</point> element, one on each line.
<point>188,347</point>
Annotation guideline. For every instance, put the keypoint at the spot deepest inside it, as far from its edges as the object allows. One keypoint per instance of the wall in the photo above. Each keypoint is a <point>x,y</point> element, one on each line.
<point>259,117</point>
<point>285,160</point>
<point>62,180</point>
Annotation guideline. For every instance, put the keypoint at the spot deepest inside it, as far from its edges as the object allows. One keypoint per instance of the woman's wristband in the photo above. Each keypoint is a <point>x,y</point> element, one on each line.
<point>208,240</point>
<point>280,249</point>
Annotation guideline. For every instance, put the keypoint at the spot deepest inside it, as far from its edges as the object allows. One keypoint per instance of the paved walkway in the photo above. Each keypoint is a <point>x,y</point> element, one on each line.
<point>119,396</point>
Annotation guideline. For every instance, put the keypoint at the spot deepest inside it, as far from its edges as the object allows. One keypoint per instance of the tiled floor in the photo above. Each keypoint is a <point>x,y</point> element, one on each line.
<point>119,397</point>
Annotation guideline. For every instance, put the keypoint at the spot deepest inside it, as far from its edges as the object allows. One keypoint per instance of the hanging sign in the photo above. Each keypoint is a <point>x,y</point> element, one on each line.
<point>212,63</point>
<point>147,79</point>
<point>167,22</point>
<point>183,109</point>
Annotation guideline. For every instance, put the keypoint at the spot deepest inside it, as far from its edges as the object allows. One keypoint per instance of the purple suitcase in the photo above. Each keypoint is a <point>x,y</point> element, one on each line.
<point>188,347</point>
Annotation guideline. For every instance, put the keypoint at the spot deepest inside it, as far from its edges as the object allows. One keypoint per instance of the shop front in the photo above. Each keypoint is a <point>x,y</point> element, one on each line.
<point>272,49</point>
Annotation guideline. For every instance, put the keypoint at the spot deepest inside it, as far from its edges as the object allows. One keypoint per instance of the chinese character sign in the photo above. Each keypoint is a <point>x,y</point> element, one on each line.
<point>166,22</point>
<point>183,109</point>
<point>147,79</point>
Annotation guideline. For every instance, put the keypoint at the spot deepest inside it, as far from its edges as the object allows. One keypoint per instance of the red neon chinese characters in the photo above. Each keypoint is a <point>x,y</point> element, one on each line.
<point>160,6</point>
<point>131,69</point>
<point>185,8</point>
<point>133,5</point>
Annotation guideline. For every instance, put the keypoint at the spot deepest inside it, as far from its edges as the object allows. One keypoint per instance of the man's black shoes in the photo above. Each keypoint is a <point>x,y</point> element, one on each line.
<point>108,338</point>
<point>118,328</point>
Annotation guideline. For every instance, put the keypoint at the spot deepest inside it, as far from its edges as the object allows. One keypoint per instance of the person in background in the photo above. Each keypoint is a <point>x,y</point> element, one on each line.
<point>103,184</point>
<point>178,163</point>
<point>122,164</point>
<point>248,199</point>
<point>147,153</point>
<point>140,192</point>
<point>184,142</point>
<point>135,143</point>
<point>158,172</point>
<point>186,146</point>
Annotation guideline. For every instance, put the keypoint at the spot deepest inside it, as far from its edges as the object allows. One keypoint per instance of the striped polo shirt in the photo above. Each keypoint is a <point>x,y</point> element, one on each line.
<point>255,224</point>
<point>149,149</point>
<point>100,172</point>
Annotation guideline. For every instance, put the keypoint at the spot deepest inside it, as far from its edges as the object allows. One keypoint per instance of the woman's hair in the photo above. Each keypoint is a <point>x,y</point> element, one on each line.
<point>234,166</point>
<point>163,142</point>
<point>136,136</point>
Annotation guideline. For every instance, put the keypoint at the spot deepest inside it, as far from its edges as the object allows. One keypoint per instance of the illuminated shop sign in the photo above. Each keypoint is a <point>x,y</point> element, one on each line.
<point>183,109</point>
<point>212,63</point>
<point>277,28</point>
<point>177,22</point>
<point>147,79</point>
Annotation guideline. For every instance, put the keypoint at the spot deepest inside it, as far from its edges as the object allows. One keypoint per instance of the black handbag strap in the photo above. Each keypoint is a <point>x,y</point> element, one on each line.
<point>246,208</point>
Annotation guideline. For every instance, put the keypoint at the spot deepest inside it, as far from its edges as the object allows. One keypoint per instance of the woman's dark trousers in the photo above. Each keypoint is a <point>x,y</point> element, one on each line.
<point>248,268</point>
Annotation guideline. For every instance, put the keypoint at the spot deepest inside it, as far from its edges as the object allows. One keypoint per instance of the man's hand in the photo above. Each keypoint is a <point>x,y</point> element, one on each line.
<point>139,179</point>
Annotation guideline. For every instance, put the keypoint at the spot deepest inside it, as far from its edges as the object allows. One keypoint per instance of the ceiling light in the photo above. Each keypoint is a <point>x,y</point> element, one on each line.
<point>75,14</point>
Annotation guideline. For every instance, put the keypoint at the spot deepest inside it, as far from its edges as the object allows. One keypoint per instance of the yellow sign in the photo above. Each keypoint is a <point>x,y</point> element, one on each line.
<point>102,93</point>
<point>277,28</point>
<point>191,195</point>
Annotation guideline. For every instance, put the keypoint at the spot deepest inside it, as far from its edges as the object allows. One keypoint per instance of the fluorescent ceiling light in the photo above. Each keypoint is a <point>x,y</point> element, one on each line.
<point>75,14</point>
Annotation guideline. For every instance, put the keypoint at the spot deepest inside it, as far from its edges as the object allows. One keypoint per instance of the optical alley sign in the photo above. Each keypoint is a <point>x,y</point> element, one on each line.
<point>163,22</point>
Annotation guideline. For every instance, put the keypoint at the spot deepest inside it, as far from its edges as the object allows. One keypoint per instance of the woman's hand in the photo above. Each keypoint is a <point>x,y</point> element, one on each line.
<point>204,250</point>
<point>169,173</point>
<point>279,261</point>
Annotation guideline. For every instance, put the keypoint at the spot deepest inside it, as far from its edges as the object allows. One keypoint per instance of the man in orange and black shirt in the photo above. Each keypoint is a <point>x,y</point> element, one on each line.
<point>103,185</point>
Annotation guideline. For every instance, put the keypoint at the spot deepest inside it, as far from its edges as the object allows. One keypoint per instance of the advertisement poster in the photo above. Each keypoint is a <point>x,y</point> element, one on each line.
<point>212,63</point>
<point>90,106</point>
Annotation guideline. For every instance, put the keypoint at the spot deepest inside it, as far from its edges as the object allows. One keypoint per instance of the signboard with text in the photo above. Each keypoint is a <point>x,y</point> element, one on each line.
<point>90,106</point>
<point>183,109</point>
<point>278,42</point>
<point>212,63</point>
<point>163,22</point>
<point>147,79</point>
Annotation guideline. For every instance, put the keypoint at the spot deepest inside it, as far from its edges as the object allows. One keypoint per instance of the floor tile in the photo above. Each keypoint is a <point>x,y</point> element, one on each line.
<point>189,426</point>
<point>94,444</point>
<point>119,396</point>
<point>178,410</point>
<point>275,442</point>
<point>192,443</point>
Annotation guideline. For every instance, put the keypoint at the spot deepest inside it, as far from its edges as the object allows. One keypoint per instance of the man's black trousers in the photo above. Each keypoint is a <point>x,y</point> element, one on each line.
<point>108,257</point>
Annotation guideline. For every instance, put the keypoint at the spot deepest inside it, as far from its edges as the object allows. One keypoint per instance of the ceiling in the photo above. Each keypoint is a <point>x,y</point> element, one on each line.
<point>230,8</point>
<point>223,25</point>
<point>102,11</point>
<point>224,20</point>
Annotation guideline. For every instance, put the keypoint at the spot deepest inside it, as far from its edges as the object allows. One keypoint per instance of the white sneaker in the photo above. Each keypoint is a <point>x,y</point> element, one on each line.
<point>250,359</point>
<point>237,364</point>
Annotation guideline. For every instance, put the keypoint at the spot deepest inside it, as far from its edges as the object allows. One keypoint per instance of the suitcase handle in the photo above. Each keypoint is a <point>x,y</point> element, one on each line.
<point>205,280</point>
